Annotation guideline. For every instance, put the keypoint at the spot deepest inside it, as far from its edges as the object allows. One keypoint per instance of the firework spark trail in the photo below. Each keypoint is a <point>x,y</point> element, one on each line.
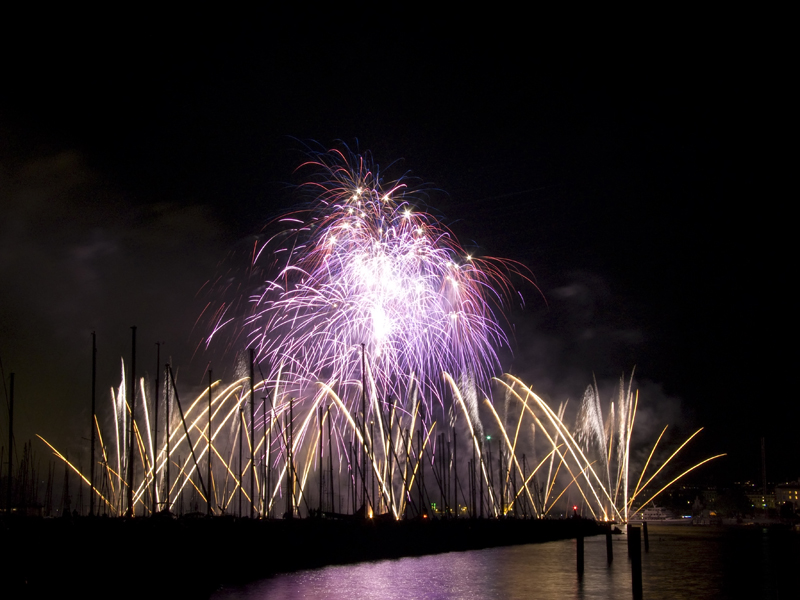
<point>550,478</point>
<point>511,451</point>
<point>591,428</point>
<point>117,401</point>
<point>371,299</point>
<point>559,427</point>
<point>363,265</point>
<point>475,440</point>
<point>627,458</point>
<point>105,455</point>
<point>226,408</point>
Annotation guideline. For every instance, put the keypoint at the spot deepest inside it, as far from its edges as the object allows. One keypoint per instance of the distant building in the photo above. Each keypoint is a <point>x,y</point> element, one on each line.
<point>788,492</point>
<point>761,501</point>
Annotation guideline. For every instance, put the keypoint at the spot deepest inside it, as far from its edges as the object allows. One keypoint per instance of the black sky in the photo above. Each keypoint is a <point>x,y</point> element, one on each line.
<point>640,180</point>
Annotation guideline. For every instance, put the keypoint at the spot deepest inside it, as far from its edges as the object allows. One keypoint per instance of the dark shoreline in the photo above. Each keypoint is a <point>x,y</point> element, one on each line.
<point>155,558</point>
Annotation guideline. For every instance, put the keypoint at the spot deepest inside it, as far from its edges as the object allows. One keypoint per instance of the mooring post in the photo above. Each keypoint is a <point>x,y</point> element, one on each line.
<point>628,529</point>
<point>646,537</point>
<point>609,547</point>
<point>580,554</point>
<point>635,547</point>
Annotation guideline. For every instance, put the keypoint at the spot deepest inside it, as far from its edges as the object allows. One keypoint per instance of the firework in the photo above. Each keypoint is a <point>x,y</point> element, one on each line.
<point>592,451</point>
<point>369,299</point>
<point>372,322</point>
<point>398,451</point>
<point>364,269</point>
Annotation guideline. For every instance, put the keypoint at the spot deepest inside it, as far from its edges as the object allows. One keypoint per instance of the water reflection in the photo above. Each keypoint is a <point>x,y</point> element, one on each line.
<point>683,562</point>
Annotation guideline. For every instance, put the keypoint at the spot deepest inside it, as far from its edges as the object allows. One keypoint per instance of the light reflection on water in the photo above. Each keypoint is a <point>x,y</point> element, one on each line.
<point>683,562</point>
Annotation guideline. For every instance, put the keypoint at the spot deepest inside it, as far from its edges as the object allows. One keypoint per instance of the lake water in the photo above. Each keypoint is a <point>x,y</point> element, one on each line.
<point>683,562</point>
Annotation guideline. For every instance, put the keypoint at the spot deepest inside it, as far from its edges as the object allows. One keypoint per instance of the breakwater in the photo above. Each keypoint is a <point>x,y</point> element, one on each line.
<point>101,557</point>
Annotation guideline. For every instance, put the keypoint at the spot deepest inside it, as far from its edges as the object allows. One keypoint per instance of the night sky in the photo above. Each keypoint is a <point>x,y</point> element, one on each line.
<point>640,181</point>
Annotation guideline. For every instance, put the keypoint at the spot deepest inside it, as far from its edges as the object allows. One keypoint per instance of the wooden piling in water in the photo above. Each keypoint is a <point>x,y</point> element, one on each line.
<point>580,554</point>
<point>646,537</point>
<point>609,547</point>
<point>628,528</point>
<point>635,548</point>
